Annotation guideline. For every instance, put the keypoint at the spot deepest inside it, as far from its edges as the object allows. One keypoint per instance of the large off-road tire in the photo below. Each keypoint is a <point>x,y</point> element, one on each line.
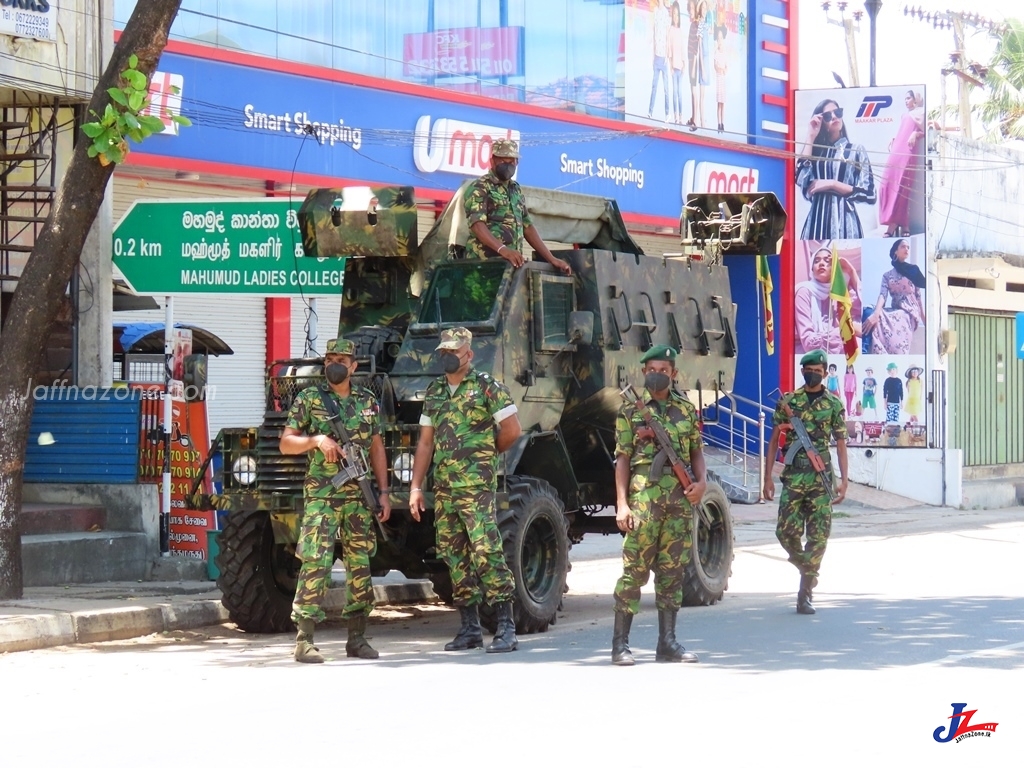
<point>442,585</point>
<point>534,535</point>
<point>706,578</point>
<point>257,576</point>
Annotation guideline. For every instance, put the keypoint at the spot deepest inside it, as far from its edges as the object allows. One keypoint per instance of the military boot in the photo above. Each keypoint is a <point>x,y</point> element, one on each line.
<point>305,651</point>
<point>621,655</point>
<point>470,634</point>
<point>505,639</point>
<point>357,647</point>
<point>805,596</point>
<point>668,649</point>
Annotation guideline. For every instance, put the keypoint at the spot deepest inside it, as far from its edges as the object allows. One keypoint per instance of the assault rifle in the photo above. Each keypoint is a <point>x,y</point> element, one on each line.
<point>666,450</point>
<point>354,465</point>
<point>803,441</point>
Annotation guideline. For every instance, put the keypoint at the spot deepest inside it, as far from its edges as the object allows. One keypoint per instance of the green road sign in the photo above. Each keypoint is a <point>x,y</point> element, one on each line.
<point>170,247</point>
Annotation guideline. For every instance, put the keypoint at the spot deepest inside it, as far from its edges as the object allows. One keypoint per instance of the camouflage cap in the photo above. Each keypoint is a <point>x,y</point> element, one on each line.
<point>659,352</point>
<point>505,148</point>
<point>814,357</point>
<point>454,338</point>
<point>341,347</point>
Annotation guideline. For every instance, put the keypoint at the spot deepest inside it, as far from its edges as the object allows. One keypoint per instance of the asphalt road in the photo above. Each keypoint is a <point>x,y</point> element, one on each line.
<point>908,624</point>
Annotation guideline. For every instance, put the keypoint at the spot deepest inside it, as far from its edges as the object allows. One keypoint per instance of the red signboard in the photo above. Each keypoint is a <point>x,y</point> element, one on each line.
<point>489,52</point>
<point>190,442</point>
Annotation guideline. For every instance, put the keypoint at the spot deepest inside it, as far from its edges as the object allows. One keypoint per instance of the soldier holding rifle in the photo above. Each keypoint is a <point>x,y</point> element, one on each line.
<point>811,416</point>
<point>655,499</point>
<point>336,510</point>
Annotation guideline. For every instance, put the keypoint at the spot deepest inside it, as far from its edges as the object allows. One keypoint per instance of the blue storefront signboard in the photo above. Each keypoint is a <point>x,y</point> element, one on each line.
<point>250,118</point>
<point>1019,341</point>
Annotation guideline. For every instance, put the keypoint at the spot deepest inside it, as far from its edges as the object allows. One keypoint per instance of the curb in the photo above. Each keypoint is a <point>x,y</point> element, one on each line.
<point>29,633</point>
<point>47,630</point>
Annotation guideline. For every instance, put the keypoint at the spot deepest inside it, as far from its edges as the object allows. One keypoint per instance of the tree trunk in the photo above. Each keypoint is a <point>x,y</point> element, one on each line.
<point>44,280</point>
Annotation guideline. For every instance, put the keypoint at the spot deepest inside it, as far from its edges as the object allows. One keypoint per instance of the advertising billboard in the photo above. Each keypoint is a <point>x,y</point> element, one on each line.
<point>861,255</point>
<point>686,65</point>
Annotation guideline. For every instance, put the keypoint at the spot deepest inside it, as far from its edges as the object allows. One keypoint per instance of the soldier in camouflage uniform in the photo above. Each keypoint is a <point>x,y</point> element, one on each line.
<point>496,213</point>
<point>654,512</point>
<point>468,419</point>
<point>335,513</point>
<point>804,505</point>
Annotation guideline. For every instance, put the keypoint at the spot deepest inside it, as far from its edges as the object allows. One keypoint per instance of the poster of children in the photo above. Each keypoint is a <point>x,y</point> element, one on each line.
<point>883,390</point>
<point>686,65</point>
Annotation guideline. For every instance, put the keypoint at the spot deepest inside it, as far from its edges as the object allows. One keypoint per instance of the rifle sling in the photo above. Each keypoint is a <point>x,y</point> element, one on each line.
<point>333,414</point>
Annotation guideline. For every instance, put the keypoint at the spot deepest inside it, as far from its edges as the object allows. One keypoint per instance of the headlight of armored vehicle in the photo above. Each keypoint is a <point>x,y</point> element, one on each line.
<point>243,470</point>
<point>403,468</point>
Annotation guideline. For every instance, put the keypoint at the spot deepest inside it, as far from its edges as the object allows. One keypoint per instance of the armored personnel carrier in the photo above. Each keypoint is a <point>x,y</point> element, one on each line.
<point>564,346</point>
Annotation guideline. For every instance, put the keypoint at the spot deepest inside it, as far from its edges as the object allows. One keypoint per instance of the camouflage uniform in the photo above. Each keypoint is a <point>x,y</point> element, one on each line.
<point>502,207</point>
<point>465,481</point>
<point>663,535</point>
<point>332,513</point>
<point>804,504</point>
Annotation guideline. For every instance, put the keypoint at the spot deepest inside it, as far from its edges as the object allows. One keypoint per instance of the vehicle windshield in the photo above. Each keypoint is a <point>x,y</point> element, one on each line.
<point>463,293</point>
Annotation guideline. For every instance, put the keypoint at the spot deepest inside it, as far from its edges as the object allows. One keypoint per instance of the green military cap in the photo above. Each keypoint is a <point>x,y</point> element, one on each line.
<point>659,352</point>
<point>454,338</point>
<point>505,148</point>
<point>341,347</point>
<point>814,357</point>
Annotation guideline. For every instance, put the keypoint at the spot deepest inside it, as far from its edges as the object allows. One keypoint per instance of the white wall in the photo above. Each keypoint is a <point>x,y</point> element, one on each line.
<point>912,472</point>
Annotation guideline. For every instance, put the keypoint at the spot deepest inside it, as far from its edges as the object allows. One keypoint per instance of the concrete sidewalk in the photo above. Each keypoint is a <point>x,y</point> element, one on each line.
<point>87,613</point>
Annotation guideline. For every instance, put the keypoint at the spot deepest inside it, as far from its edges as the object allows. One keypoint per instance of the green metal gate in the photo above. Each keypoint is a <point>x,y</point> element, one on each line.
<point>986,390</point>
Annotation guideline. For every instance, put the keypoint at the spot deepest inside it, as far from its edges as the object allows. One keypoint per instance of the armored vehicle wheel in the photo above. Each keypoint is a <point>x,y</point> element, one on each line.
<point>257,576</point>
<point>534,537</point>
<point>707,576</point>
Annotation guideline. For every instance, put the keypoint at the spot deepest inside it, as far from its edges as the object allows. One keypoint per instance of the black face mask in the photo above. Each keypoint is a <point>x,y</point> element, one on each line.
<point>450,363</point>
<point>656,382</point>
<point>812,378</point>
<point>505,171</point>
<point>336,372</point>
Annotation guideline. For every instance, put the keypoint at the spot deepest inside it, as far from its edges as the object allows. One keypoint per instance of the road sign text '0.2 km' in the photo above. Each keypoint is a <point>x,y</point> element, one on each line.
<point>169,247</point>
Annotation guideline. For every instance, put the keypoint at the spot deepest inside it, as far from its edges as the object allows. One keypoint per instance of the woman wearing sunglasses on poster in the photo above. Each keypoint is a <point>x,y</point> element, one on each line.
<point>833,175</point>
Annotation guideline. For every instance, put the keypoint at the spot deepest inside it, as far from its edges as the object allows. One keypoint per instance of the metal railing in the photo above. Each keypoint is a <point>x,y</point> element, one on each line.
<point>738,438</point>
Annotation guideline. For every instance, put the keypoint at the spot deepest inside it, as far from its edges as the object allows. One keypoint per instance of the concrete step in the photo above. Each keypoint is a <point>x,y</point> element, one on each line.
<point>737,474</point>
<point>53,559</point>
<point>993,493</point>
<point>61,518</point>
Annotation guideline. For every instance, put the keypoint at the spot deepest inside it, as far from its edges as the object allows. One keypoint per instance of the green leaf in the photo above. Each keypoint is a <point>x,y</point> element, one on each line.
<point>118,95</point>
<point>182,120</point>
<point>132,121</point>
<point>115,154</point>
<point>133,61</point>
<point>93,150</point>
<point>92,130</point>
<point>136,79</point>
<point>109,113</point>
<point>136,135</point>
<point>136,100</point>
<point>151,124</point>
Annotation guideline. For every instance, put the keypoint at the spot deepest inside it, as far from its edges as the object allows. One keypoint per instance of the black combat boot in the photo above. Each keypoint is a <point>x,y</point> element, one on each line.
<point>505,639</point>
<point>357,647</point>
<point>621,655</point>
<point>668,649</point>
<point>470,634</point>
<point>804,596</point>
<point>305,651</point>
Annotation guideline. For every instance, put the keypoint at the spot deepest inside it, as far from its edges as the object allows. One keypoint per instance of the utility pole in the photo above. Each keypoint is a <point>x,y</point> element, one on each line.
<point>873,7</point>
<point>970,74</point>
<point>850,27</point>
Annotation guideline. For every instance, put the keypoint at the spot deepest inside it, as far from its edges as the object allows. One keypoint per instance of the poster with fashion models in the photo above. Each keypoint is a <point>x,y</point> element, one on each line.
<point>860,158</point>
<point>883,390</point>
<point>686,65</point>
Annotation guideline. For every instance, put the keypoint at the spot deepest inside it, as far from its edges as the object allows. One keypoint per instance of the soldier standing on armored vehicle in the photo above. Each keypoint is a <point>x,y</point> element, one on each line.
<point>806,500</point>
<point>468,419</point>
<point>335,513</point>
<point>496,213</point>
<point>655,513</point>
